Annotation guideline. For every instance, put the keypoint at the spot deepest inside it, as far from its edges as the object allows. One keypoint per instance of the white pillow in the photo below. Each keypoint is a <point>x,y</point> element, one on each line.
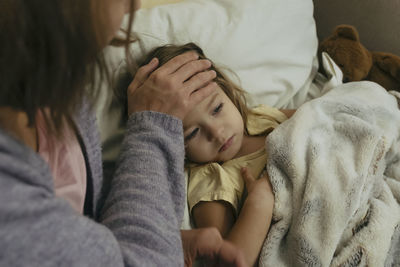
<point>269,44</point>
<point>153,3</point>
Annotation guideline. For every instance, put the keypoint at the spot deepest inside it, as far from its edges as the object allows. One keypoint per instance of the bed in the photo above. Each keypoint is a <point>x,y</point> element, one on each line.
<point>272,47</point>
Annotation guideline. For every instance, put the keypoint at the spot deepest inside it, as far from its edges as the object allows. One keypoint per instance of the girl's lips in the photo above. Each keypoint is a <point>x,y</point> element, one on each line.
<point>227,144</point>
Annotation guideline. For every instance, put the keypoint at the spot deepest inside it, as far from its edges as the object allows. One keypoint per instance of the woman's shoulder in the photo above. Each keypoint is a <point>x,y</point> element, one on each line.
<point>19,164</point>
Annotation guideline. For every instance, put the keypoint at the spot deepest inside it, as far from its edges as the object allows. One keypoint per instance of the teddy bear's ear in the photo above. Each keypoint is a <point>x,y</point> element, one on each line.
<point>347,31</point>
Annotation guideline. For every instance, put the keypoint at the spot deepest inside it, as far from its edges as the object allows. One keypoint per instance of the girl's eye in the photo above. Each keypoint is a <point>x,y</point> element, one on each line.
<point>218,109</point>
<point>191,135</point>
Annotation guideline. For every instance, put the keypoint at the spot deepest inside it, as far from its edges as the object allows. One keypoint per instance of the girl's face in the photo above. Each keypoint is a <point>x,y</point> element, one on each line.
<point>213,130</point>
<point>115,12</point>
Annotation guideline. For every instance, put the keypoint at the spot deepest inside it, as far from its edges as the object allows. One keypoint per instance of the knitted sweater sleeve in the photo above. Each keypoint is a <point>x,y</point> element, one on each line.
<point>140,218</point>
<point>145,205</point>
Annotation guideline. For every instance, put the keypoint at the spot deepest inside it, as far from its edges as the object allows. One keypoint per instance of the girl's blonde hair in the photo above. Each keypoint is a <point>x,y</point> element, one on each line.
<point>165,53</point>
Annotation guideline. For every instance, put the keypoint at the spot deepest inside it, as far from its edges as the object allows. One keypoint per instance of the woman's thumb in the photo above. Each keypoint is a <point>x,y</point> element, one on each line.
<point>143,74</point>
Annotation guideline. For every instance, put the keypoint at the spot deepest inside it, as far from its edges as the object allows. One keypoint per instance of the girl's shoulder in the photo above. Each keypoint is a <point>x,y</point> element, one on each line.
<point>265,111</point>
<point>214,182</point>
<point>263,118</point>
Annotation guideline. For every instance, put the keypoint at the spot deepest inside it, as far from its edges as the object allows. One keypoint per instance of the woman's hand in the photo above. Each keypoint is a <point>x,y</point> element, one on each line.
<point>174,88</point>
<point>207,244</point>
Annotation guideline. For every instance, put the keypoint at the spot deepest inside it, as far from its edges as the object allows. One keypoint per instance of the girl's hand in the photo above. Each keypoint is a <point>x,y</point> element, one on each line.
<point>174,88</point>
<point>260,188</point>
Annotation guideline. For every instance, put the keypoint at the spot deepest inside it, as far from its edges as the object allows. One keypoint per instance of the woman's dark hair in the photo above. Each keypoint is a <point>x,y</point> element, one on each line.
<point>50,56</point>
<point>165,53</point>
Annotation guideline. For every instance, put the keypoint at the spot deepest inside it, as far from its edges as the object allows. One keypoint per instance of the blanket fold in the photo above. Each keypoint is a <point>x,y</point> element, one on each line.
<point>335,171</point>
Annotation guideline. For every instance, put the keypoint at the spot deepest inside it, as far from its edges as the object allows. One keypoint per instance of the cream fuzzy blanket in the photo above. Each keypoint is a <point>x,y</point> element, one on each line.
<point>335,171</point>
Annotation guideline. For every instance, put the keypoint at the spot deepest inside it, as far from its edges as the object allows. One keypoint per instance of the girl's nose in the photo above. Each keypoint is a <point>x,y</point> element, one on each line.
<point>215,133</point>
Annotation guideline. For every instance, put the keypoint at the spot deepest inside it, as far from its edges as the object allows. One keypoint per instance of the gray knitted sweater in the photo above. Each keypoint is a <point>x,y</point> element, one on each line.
<point>140,219</point>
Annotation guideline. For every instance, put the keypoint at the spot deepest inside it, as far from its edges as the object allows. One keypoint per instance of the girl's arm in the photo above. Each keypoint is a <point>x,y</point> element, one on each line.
<point>288,112</point>
<point>251,227</point>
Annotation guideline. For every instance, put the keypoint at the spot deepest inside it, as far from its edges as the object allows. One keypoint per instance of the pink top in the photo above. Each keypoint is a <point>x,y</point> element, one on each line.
<point>66,162</point>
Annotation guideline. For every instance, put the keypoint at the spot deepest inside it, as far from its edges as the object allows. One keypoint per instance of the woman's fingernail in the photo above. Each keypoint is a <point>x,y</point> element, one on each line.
<point>153,61</point>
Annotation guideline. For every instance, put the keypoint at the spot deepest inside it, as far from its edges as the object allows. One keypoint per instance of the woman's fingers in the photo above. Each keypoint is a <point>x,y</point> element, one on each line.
<point>199,80</point>
<point>207,244</point>
<point>200,94</point>
<point>177,62</point>
<point>183,67</point>
<point>191,68</point>
<point>229,255</point>
<point>143,74</point>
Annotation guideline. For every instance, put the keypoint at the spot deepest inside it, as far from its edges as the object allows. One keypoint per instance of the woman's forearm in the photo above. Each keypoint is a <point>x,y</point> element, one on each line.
<point>145,203</point>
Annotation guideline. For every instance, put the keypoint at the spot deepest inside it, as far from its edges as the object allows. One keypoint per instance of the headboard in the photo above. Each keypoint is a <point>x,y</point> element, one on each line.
<point>377,21</point>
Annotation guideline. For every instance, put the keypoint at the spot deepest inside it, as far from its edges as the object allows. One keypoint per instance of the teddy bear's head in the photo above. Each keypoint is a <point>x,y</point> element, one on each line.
<point>344,47</point>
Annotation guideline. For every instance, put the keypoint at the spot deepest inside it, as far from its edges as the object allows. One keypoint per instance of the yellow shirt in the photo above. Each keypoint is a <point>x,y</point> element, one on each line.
<point>213,181</point>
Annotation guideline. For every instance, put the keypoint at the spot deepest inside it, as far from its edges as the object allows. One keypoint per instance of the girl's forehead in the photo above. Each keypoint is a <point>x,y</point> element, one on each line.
<point>210,99</point>
<point>201,109</point>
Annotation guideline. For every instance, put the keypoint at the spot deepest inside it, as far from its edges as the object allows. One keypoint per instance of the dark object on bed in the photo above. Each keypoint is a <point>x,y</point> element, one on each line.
<point>357,62</point>
<point>377,21</point>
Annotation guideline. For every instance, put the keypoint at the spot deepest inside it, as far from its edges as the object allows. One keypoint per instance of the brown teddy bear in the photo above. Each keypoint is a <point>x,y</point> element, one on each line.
<point>357,62</point>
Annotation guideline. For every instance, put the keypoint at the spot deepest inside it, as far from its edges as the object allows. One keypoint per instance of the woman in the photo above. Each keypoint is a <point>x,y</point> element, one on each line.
<point>50,164</point>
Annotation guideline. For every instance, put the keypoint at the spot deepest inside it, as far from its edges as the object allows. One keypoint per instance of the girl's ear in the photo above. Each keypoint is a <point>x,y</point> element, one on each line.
<point>348,32</point>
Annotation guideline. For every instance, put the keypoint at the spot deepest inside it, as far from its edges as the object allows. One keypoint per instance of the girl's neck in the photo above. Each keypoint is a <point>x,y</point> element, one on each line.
<point>251,144</point>
<point>16,124</point>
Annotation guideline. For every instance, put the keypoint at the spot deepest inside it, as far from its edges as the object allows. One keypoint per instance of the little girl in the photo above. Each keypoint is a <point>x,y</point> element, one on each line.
<point>223,141</point>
